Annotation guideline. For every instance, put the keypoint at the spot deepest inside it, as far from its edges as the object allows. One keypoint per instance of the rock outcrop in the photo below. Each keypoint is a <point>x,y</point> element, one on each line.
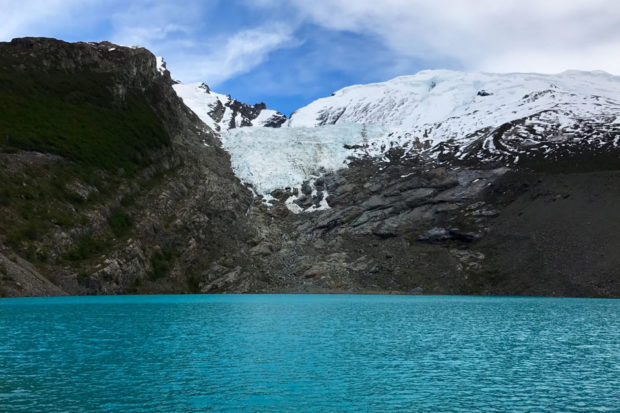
<point>161,211</point>
<point>155,229</point>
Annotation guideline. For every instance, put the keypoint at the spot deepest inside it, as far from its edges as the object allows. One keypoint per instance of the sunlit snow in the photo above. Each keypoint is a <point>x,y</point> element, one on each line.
<point>199,98</point>
<point>428,109</point>
<point>212,107</point>
<point>437,105</point>
<point>160,64</point>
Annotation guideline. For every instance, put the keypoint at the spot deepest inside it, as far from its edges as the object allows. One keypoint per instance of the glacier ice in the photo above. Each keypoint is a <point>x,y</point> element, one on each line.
<point>416,113</point>
<point>273,158</point>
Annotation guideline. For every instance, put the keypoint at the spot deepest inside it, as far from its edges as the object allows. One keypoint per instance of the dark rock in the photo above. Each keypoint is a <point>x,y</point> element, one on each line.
<point>436,235</point>
<point>304,202</point>
<point>306,188</point>
<point>492,231</point>
<point>376,202</point>
<point>319,184</point>
<point>275,121</point>
<point>485,213</point>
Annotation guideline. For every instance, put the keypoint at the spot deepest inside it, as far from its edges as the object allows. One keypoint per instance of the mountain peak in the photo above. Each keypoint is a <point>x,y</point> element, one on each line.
<point>438,115</point>
<point>222,112</point>
<point>432,96</point>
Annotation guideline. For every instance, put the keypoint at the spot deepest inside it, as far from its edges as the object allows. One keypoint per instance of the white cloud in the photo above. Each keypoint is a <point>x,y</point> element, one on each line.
<point>598,57</point>
<point>508,35</point>
<point>487,35</point>
<point>193,54</point>
<point>146,36</point>
<point>155,24</point>
<point>169,28</point>
<point>226,58</point>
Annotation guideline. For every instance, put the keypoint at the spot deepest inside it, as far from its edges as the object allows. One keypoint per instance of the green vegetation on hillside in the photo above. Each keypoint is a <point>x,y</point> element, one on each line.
<point>120,222</point>
<point>162,262</point>
<point>36,198</point>
<point>77,116</point>
<point>103,135</point>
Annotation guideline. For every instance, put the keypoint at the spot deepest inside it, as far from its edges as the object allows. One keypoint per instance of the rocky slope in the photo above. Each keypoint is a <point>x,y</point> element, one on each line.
<point>74,224</point>
<point>221,112</point>
<point>447,182</point>
<point>441,182</point>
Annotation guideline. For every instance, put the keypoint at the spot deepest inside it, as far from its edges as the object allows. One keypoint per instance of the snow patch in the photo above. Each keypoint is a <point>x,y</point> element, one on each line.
<point>200,99</point>
<point>264,117</point>
<point>292,206</point>
<point>160,64</point>
<point>214,108</point>
<point>323,205</point>
<point>440,105</point>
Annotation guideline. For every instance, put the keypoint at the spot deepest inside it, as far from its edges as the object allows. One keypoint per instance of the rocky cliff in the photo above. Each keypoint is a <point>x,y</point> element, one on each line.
<point>110,184</point>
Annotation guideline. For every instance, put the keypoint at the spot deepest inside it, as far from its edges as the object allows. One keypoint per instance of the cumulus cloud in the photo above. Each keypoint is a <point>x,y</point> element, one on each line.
<point>507,35</point>
<point>150,24</point>
<point>217,40</point>
<point>193,54</point>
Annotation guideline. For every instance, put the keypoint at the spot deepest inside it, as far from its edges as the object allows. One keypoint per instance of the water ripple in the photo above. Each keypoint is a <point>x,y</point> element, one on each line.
<point>309,353</point>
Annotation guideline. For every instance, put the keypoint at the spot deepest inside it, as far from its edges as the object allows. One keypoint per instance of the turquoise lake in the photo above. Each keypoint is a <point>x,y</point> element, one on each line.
<point>323,353</point>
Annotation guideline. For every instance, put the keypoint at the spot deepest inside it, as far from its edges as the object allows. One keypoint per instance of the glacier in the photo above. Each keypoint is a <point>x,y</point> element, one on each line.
<point>277,158</point>
<point>421,114</point>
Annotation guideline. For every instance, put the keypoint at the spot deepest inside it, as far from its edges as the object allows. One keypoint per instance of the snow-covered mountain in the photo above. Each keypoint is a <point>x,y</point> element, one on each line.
<point>221,112</point>
<point>436,115</point>
<point>439,112</point>
<point>437,183</point>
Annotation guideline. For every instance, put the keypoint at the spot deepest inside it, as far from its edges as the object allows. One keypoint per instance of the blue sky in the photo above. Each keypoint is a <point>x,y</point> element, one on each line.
<point>288,53</point>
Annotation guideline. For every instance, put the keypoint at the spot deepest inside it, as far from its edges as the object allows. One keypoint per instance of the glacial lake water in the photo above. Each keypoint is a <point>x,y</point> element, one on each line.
<point>323,353</point>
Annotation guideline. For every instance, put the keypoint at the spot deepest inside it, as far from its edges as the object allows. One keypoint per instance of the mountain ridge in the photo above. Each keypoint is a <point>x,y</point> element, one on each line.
<point>222,112</point>
<point>449,107</point>
<point>438,116</point>
<point>288,209</point>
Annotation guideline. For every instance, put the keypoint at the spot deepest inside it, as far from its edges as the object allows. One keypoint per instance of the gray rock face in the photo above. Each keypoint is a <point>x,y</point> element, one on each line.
<point>232,281</point>
<point>408,225</point>
<point>243,114</point>
<point>20,278</point>
<point>186,210</point>
<point>444,229</point>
